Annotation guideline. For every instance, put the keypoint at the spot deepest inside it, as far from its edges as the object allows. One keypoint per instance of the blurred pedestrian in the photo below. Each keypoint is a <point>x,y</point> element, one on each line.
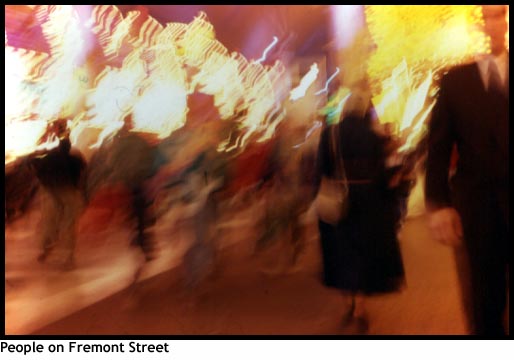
<point>361,254</point>
<point>288,194</point>
<point>133,159</point>
<point>61,174</point>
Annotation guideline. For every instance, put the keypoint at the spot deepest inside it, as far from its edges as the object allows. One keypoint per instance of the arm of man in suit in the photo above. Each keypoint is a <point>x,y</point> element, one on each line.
<point>444,220</point>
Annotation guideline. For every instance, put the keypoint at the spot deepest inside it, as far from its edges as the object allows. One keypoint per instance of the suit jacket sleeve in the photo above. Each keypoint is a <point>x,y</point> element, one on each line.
<point>441,137</point>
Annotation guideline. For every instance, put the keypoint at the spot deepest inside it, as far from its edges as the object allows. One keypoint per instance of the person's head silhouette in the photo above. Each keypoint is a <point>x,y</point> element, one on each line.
<point>495,26</point>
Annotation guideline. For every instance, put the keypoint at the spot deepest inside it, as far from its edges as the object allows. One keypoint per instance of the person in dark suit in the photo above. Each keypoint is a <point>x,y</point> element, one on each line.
<point>469,210</point>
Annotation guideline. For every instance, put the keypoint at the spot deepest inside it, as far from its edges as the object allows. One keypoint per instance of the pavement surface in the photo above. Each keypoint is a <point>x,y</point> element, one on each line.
<point>245,294</point>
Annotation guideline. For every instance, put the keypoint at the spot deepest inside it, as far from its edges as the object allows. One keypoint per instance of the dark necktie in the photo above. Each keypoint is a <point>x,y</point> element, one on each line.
<point>495,84</point>
<point>506,86</point>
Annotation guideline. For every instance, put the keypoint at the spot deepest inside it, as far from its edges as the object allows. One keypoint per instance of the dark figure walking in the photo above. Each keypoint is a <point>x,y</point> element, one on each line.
<point>134,162</point>
<point>61,175</point>
<point>469,209</point>
<point>361,254</point>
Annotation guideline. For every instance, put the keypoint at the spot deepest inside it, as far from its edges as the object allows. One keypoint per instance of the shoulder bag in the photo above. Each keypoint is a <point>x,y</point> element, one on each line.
<point>331,202</point>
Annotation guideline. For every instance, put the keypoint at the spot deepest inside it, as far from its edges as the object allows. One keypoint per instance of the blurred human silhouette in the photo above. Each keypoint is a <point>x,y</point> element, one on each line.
<point>204,180</point>
<point>21,187</point>
<point>288,195</point>
<point>469,210</point>
<point>61,174</point>
<point>361,255</point>
<point>202,176</point>
<point>133,160</point>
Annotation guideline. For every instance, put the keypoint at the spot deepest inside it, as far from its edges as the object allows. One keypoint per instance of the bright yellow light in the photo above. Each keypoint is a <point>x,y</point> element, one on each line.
<point>426,36</point>
<point>413,42</point>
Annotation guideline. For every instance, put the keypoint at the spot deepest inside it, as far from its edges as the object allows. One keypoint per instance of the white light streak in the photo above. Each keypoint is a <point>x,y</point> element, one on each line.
<point>270,46</point>
<point>328,82</point>
<point>299,91</point>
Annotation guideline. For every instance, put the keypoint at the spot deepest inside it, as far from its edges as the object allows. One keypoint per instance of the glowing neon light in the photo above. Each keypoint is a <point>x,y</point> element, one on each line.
<point>328,82</point>
<point>270,46</point>
<point>299,91</point>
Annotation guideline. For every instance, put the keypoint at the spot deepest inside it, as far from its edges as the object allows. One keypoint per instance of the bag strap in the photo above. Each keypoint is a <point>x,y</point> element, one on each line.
<point>339,172</point>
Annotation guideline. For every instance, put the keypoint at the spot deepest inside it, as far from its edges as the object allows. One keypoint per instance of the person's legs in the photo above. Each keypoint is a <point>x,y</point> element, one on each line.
<point>494,297</point>
<point>356,313</point>
<point>506,315</point>
<point>482,268</point>
<point>350,307</point>
<point>297,236</point>
<point>50,217</point>
<point>488,295</point>
<point>359,310</point>
<point>360,314</point>
<point>143,215</point>
<point>73,205</point>
<point>463,272</point>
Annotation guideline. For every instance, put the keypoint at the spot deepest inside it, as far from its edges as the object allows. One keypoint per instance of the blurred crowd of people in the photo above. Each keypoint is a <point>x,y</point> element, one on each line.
<point>186,180</point>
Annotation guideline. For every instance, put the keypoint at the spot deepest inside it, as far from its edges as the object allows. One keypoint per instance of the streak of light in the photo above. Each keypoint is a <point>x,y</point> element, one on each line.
<point>270,46</point>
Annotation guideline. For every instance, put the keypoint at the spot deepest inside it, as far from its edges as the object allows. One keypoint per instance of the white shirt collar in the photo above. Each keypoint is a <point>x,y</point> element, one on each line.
<point>483,65</point>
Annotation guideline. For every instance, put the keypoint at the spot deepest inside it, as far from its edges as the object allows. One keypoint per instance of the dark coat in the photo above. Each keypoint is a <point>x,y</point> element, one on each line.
<point>59,167</point>
<point>361,253</point>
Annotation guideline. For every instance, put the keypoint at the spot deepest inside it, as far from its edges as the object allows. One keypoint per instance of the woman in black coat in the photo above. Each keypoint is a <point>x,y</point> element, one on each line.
<point>361,254</point>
